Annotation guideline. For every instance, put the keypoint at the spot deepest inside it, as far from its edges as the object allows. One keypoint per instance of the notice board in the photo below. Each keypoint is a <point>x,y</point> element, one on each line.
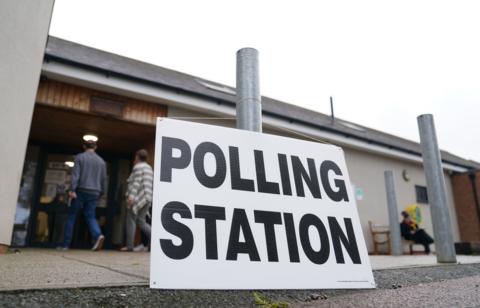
<point>234,209</point>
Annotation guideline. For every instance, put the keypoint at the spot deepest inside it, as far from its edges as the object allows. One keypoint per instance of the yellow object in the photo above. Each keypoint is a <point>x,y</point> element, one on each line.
<point>46,199</point>
<point>415,213</point>
<point>42,227</point>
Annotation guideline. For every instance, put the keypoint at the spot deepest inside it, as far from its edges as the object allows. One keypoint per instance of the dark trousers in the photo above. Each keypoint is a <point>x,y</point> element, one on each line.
<point>145,240</point>
<point>422,237</point>
<point>87,202</point>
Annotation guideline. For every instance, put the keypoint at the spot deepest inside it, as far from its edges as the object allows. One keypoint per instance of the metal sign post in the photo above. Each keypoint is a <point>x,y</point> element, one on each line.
<point>249,106</point>
<point>437,196</point>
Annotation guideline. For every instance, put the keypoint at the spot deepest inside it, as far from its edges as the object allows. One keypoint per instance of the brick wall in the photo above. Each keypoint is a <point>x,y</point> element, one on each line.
<point>466,207</point>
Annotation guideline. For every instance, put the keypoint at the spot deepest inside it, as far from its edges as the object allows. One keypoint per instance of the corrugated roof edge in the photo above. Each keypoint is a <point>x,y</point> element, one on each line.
<point>91,58</point>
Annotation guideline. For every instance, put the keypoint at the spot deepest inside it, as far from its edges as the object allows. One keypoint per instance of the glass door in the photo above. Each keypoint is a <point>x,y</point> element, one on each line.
<point>26,197</point>
<point>52,207</point>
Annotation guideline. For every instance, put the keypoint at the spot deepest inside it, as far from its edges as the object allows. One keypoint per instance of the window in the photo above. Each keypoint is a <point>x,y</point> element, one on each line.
<point>421,193</point>
<point>25,196</point>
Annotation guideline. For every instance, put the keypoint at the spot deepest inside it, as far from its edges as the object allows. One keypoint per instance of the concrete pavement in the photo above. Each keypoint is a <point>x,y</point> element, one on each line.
<point>462,292</point>
<point>52,269</point>
<point>439,286</point>
<point>407,261</point>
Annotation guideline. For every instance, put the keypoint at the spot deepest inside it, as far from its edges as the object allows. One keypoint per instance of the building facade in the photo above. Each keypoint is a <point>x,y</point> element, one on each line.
<point>87,91</point>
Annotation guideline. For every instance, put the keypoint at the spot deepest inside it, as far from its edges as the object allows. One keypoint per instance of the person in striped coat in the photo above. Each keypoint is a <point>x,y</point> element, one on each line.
<point>139,197</point>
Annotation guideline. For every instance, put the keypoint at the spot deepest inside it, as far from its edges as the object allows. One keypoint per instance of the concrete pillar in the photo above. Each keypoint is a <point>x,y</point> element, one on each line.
<point>24,28</point>
<point>393,218</point>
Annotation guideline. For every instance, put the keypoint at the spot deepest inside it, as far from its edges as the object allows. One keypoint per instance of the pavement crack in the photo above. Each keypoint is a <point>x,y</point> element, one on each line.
<point>107,268</point>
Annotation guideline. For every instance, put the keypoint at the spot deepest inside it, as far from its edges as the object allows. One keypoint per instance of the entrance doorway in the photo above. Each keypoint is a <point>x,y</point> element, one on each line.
<point>50,203</point>
<point>55,137</point>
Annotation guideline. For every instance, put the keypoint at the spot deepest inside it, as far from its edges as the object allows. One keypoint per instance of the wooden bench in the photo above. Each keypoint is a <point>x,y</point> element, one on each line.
<point>380,236</point>
<point>410,246</point>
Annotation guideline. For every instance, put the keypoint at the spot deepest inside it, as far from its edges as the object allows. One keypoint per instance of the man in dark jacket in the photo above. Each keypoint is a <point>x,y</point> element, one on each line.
<point>411,232</point>
<point>89,177</point>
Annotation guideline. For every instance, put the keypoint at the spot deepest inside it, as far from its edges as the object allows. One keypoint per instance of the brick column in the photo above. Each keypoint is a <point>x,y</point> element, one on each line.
<point>466,206</point>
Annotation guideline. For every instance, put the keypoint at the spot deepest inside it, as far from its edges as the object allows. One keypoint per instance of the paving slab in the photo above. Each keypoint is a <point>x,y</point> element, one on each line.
<point>406,261</point>
<point>49,269</point>
<point>128,263</point>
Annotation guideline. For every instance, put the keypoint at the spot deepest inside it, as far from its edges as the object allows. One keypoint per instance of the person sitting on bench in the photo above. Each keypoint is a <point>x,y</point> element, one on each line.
<point>411,232</point>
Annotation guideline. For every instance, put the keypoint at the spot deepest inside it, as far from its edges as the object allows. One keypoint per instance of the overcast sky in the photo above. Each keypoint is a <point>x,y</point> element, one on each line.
<point>384,62</point>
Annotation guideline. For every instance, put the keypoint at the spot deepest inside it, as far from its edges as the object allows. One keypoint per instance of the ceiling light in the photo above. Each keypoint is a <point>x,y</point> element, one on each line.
<point>90,137</point>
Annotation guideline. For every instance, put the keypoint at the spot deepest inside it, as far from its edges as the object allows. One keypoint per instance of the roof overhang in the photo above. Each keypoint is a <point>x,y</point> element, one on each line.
<point>96,79</point>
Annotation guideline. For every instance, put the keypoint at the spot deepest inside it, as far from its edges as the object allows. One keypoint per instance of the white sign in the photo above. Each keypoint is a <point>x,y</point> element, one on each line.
<point>53,176</point>
<point>234,209</point>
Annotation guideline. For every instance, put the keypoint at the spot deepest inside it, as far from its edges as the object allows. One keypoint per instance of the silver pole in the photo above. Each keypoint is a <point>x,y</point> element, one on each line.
<point>331,110</point>
<point>437,196</point>
<point>249,106</point>
<point>393,217</point>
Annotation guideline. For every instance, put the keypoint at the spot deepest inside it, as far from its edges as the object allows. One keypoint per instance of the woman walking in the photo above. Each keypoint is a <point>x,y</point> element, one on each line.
<point>139,197</point>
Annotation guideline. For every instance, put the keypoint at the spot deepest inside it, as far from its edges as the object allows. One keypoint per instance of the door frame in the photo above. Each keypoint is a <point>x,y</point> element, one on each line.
<point>44,150</point>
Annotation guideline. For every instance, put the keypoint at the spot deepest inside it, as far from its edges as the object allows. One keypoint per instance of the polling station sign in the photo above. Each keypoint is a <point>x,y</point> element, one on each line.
<point>234,209</point>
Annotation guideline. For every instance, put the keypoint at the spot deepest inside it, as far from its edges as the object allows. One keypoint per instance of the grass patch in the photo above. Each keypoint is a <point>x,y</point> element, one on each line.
<point>261,300</point>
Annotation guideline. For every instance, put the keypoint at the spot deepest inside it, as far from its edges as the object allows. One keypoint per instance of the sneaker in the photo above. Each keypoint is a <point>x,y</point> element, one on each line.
<point>99,243</point>
<point>62,248</point>
<point>125,249</point>
<point>140,248</point>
